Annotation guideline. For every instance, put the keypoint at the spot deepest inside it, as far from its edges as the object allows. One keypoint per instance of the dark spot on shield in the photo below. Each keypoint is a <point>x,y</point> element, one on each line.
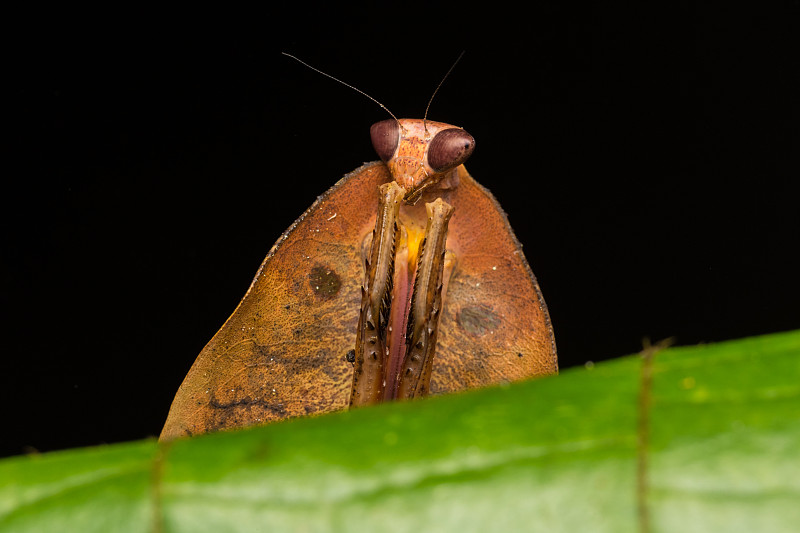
<point>324,282</point>
<point>478,320</point>
<point>350,356</point>
<point>519,355</point>
<point>241,410</point>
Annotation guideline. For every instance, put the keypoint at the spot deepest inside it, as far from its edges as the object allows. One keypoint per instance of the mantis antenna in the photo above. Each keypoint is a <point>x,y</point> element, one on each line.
<point>425,116</point>
<point>348,85</point>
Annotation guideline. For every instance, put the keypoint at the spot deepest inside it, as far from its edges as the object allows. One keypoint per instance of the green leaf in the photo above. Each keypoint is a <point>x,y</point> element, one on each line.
<point>721,425</point>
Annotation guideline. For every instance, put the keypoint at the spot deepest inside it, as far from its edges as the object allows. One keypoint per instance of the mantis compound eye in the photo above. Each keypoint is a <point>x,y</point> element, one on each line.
<point>449,148</point>
<point>385,138</point>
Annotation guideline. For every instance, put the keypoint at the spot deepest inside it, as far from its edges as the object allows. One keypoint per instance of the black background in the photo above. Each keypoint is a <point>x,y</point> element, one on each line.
<point>647,159</point>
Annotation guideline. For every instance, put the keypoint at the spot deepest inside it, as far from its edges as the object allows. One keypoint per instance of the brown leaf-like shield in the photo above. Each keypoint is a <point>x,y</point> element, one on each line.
<point>284,351</point>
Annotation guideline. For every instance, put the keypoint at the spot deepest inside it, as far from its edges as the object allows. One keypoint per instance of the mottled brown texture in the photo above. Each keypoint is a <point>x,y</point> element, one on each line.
<point>282,352</point>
